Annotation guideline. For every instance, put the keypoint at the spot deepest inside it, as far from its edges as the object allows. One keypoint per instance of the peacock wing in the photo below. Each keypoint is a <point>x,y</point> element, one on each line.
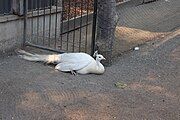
<point>74,61</point>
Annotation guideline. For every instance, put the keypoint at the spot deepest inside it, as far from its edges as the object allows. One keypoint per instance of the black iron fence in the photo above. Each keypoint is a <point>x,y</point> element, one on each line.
<point>5,7</point>
<point>40,4</point>
<point>60,25</point>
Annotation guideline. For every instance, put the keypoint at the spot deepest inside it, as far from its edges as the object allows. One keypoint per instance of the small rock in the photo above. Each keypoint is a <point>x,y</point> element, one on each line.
<point>120,85</point>
<point>162,36</point>
<point>136,48</point>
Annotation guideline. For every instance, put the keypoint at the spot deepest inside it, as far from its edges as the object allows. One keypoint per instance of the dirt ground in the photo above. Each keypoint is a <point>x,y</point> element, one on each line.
<point>146,22</point>
<point>150,75</point>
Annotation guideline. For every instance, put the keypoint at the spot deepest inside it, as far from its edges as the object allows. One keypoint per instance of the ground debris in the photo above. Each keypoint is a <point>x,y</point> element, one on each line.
<point>120,85</point>
<point>136,48</point>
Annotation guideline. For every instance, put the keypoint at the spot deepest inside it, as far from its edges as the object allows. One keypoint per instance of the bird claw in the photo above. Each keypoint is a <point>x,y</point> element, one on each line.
<point>73,72</point>
<point>46,63</point>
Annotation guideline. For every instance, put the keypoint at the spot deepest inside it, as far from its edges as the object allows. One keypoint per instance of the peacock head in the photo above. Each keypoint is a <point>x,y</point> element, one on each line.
<point>99,57</point>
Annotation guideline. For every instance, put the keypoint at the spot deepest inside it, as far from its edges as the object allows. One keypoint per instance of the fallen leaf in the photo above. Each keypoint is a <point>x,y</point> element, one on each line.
<point>120,85</point>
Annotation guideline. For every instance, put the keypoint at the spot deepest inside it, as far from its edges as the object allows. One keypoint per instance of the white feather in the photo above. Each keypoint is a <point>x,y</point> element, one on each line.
<point>73,61</point>
<point>80,62</point>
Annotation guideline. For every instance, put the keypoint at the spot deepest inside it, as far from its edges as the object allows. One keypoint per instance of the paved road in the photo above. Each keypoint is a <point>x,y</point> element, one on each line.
<point>159,16</point>
<point>32,91</point>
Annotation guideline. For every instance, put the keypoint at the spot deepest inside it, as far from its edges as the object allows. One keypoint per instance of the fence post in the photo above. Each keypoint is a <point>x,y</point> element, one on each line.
<point>25,10</point>
<point>94,28</point>
<point>107,20</point>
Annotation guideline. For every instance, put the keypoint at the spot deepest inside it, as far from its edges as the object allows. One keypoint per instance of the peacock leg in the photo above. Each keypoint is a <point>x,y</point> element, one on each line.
<point>73,72</point>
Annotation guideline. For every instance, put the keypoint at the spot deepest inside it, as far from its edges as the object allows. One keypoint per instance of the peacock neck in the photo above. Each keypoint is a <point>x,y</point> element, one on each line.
<point>99,67</point>
<point>98,62</point>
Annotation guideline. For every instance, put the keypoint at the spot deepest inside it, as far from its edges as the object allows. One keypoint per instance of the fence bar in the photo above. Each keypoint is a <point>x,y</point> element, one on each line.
<point>43,48</point>
<point>1,10</point>
<point>94,28</point>
<point>4,4</point>
<point>38,5</point>
<point>32,28</point>
<point>76,28</point>
<point>62,24</point>
<point>44,21</point>
<point>50,23</point>
<point>74,23</point>
<point>87,19</point>
<point>25,22</point>
<point>55,42</point>
<point>67,42</point>
<point>80,37</point>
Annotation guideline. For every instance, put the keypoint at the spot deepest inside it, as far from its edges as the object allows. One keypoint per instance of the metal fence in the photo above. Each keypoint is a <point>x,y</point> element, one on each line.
<point>5,7</point>
<point>60,25</point>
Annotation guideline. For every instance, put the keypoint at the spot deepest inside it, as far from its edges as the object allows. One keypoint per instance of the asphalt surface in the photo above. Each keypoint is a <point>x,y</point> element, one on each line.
<point>33,91</point>
<point>151,79</point>
<point>158,16</point>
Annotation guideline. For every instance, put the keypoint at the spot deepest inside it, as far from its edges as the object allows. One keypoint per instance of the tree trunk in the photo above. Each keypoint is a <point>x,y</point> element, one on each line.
<point>107,21</point>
